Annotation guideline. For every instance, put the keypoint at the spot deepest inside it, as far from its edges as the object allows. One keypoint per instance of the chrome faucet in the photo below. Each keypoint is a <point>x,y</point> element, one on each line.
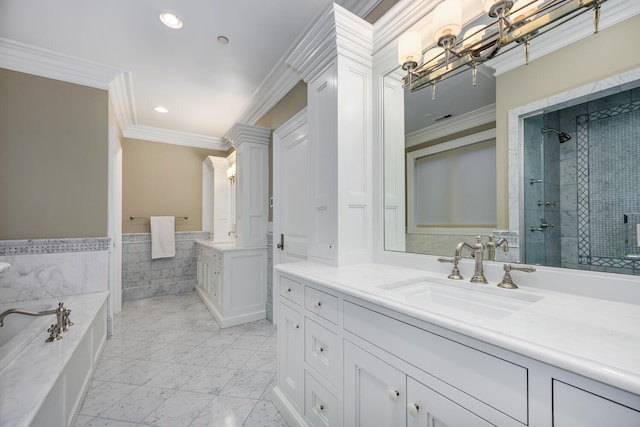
<point>62,319</point>
<point>478,253</point>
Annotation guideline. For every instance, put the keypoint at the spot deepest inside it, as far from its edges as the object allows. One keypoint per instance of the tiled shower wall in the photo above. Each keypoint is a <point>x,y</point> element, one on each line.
<point>143,277</point>
<point>598,184</point>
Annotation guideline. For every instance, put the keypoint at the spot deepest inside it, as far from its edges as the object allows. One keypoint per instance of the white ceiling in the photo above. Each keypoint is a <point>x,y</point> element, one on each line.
<point>206,86</point>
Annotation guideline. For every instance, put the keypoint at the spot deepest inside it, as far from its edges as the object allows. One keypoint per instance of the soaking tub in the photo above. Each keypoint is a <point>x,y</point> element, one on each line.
<point>43,383</point>
<point>19,330</point>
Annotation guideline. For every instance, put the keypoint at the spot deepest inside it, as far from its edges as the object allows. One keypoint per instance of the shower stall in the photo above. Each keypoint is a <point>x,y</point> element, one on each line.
<point>581,195</point>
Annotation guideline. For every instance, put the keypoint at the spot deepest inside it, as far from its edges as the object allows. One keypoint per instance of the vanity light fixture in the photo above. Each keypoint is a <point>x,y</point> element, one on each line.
<point>171,20</point>
<point>231,172</point>
<point>514,22</point>
<point>161,109</point>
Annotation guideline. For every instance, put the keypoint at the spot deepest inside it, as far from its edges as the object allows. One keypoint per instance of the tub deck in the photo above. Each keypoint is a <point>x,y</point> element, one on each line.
<point>43,385</point>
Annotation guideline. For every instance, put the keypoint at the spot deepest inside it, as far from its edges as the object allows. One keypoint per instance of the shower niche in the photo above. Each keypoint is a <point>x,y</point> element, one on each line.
<point>580,205</point>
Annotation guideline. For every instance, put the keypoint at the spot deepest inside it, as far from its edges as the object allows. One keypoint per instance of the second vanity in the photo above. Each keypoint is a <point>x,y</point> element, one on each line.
<point>231,281</point>
<point>377,345</point>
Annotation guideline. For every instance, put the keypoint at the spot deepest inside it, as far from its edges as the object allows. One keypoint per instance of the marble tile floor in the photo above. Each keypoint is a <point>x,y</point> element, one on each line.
<point>168,364</point>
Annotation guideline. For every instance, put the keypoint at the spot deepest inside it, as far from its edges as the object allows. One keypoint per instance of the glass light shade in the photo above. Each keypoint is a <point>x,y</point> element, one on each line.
<point>231,171</point>
<point>431,54</point>
<point>473,36</point>
<point>171,20</point>
<point>447,19</point>
<point>409,47</point>
<point>522,8</point>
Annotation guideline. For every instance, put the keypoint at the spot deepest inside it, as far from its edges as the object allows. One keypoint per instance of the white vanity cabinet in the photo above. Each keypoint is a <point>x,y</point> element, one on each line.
<point>232,281</point>
<point>362,364</point>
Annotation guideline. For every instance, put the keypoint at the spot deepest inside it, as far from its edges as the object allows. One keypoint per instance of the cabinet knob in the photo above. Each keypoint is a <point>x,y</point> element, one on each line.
<point>319,350</point>
<point>393,395</point>
<point>317,304</point>
<point>288,289</point>
<point>319,408</point>
<point>413,409</point>
<point>296,326</point>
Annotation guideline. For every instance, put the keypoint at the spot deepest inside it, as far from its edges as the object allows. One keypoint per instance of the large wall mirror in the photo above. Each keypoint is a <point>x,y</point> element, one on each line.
<point>573,176</point>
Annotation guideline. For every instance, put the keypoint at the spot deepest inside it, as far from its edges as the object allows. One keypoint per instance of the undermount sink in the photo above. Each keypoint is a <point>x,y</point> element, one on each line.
<point>471,299</point>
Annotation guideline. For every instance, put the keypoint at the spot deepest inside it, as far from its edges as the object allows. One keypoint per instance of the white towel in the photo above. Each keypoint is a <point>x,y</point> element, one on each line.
<point>163,240</point>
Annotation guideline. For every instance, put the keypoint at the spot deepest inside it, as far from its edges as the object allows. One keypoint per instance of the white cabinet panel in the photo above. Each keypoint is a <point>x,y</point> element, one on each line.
<point>292,290</point>
<point>374,391</point>
<point>321,303</point>
<point>426,408</point>
<point>291,354</point>
<point>573,407</point>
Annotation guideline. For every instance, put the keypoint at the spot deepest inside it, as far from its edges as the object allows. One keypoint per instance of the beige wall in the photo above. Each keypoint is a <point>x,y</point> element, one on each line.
<point>53,158</point>
<point>162,179</point>
<point>610,52</point>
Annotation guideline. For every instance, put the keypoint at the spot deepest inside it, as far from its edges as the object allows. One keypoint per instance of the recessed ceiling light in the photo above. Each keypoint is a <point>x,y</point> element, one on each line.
<point>161,109</point>
<point>171,20</point>
<point>223,40</point>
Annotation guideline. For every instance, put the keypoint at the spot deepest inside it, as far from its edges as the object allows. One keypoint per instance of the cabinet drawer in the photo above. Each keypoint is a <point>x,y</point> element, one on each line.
<point>291,290</point>
<point>322,351</point>
<point>321,407</point>
<point>429,408</point>
<point>321,303</point>
<point>574,407</point>
<point>496,382</point>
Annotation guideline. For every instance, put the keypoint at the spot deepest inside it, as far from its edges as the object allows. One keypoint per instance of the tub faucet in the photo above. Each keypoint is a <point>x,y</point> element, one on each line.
<point>62,319</point>
<point>478,253</point>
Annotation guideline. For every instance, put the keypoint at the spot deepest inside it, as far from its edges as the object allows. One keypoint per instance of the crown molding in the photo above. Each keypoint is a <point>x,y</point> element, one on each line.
<point>241,133</point>
<point>121,95</point>
<point>168,136</point>
<point>338,31</point>
<point>465,121</point>
<point>612,12</point>
<point>283,77</point>
<point>29,59</point>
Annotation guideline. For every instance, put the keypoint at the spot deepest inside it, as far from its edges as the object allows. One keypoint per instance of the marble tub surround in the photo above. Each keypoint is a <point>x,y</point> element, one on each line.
<point>143,277</point>
<point>192,374</point>
<point>31,384</point>
<point>595,338</point>
<point>45,268</point>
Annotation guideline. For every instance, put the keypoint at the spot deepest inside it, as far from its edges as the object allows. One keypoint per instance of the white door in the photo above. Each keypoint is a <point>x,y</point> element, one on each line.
<point>291,190</point>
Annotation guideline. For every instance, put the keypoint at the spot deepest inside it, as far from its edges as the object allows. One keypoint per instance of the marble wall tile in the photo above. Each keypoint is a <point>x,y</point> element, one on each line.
<point>143,277</point>
<point>46,275</point>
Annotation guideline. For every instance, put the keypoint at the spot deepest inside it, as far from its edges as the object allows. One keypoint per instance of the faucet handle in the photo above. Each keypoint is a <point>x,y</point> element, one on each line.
<point>507,282</point>
<point>455,272</point>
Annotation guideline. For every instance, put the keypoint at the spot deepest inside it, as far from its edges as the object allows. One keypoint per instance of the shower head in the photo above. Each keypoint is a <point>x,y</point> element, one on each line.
<point>562,136</point>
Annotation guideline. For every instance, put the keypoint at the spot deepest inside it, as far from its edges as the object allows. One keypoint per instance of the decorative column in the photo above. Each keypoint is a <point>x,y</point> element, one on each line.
<point>335,60</point>
<point>252,184</point>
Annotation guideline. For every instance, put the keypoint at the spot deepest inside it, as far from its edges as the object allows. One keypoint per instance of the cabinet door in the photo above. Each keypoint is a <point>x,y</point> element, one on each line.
<point>215,285</point>
<point>428,408</point>
<point>291,355</point>
<point>573,407</point>
<point>374,391</point>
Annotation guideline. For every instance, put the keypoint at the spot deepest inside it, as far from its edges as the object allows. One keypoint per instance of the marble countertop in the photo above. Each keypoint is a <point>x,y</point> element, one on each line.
<point>26,381</point>
<point>596,338</point>
<point>223,246</point>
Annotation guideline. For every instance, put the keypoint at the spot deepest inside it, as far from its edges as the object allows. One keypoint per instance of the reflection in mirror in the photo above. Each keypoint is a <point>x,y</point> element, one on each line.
<point>580,201</point>
<point>440,185</point>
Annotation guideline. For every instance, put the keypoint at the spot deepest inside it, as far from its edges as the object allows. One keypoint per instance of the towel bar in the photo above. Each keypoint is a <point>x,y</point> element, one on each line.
<point>146,217</point>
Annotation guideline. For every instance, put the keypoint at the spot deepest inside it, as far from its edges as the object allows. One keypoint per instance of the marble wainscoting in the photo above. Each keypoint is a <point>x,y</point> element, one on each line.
<point>50,268</point>
<point>143,277</point>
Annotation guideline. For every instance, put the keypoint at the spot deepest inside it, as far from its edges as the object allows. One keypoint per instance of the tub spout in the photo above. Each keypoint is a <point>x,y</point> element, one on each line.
<point>62,319</point>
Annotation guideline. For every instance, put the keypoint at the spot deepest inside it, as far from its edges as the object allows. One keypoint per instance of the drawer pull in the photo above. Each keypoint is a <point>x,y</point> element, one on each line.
<point>413,409</point>
<point>289,290</point>
<point>319,408</point>
<point>317,304</point>
<point>319,350</point>
<point>296,326</point>
<point>393,395</point>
